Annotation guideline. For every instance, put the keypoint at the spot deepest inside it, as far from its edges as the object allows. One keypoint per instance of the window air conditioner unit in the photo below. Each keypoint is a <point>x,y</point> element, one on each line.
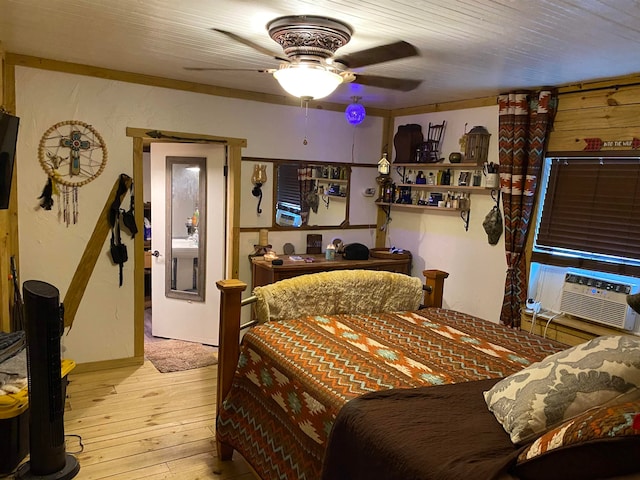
<point>598,300</point>
<point>288,219</point>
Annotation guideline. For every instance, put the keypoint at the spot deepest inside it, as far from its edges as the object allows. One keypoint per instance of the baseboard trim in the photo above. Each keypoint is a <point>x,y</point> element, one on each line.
<point>108,364</point>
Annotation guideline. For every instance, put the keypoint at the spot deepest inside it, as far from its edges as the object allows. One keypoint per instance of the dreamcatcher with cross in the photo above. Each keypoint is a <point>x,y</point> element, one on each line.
<point>72,153</point>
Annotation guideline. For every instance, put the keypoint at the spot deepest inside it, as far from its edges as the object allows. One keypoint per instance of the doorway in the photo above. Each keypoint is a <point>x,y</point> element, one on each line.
<point>142,139</point>
<point>187,181</point>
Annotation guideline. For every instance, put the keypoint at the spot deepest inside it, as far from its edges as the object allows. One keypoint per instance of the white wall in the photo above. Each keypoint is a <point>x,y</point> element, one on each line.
<point>50,251</point>
<point>438,239</point>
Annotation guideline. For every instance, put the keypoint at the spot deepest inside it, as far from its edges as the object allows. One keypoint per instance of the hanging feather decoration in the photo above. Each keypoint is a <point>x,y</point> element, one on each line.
<point>47,195</point>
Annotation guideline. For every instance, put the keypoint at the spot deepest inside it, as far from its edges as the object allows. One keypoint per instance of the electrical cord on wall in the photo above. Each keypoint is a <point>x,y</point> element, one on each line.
<point>535,307</point>
<point>544,335</point>
<point>533,321</point>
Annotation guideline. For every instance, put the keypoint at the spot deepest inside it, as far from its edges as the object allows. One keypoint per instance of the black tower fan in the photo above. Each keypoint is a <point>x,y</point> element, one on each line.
<point>44,327</point>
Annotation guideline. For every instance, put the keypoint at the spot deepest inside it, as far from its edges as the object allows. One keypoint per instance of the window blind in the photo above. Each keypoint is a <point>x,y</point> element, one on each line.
<point>591,209</point>
<point>288,187</point>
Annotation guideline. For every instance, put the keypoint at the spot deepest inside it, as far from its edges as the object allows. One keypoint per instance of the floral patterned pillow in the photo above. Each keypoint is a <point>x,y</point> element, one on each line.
<point>602,442</point>
<point>603,371</point>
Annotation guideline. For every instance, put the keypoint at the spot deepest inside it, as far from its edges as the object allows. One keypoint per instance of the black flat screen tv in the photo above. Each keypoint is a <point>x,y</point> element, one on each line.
<point>8,140</point>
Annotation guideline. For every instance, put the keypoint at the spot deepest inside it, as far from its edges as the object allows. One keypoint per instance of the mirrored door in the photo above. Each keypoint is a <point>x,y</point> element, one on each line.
<point>186,228</point>
<point>177,312</point>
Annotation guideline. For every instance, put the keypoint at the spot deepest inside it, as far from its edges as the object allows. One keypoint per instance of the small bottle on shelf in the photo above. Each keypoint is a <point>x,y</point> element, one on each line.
<point>195,218</point>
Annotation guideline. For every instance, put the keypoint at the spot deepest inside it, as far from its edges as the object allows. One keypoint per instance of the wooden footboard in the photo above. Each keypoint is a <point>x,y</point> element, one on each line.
<point>230,306</point>
<point>229,350</point>
<point>434,287</point>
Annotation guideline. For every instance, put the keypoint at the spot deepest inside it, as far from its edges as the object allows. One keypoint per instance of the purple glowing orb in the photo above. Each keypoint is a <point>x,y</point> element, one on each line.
<point>355,113</point>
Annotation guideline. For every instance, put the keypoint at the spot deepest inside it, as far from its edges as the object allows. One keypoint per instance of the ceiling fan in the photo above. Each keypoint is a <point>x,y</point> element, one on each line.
<point>309,68</point>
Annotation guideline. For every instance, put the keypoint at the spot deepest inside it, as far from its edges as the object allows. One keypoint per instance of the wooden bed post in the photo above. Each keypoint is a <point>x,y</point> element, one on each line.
<point>229,349</point>
<point>434,287</point>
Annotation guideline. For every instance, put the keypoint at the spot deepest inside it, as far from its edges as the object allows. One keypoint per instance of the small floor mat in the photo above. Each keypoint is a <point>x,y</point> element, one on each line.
<point>177,355</point>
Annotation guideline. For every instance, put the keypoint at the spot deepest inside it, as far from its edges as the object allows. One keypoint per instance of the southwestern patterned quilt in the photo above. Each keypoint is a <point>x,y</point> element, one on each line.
<point>294,376</point>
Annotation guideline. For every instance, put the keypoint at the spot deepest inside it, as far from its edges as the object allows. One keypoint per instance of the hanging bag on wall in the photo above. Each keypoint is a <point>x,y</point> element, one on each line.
<point>118,250</point>
<point>493,225</point>
<point>129,217</point>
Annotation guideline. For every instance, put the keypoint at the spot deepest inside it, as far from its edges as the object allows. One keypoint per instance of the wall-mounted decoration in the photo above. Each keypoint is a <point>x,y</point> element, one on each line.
<point>258,179</point>
<point>355,112</point>
<point>72,154</point>
<point>597,144</point>
<point>476,148</point>
<point>429,150</point>
<point>406,141</point>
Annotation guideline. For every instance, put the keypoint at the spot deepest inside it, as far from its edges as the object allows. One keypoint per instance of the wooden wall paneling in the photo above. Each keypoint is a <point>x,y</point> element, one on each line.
<point>5,283</point>
<point>9,217</point>
<point>234,188</point>
<point>607,113</point>
<point>387,146</point>
<point>573,140</point>
<point>138,246</point>
<point>595,118</point>
<point>611,96</point>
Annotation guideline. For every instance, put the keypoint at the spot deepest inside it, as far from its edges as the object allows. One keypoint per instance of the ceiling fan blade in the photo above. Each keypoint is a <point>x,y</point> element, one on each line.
<point>383,53</point>
<point>215,69</point>
<point>251,44</point>
<point>402,84</point>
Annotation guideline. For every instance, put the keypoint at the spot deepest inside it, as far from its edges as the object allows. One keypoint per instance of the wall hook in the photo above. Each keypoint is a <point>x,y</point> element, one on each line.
<point>464,215</point>
<point>495,195</point>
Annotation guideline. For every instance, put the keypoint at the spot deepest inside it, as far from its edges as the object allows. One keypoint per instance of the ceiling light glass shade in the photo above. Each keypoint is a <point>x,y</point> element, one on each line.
<point>307,81</point>
<point>355,113</point>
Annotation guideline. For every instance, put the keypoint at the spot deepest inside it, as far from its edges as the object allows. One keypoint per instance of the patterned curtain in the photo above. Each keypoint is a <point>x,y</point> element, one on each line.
<point>525,120</point>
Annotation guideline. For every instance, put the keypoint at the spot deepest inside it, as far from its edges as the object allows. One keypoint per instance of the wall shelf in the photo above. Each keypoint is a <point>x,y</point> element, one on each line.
<point>421,207</point>
<point>453,188</point>
<point>330,180</point>
<point>437,165</point>
<point>464,213</point>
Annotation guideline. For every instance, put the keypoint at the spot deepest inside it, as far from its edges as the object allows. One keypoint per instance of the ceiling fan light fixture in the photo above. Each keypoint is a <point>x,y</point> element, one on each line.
<point>308,81</point>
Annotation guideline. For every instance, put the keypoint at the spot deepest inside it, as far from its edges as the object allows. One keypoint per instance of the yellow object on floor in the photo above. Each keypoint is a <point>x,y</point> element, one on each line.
<point>13,404</point>
<point>14,424</point>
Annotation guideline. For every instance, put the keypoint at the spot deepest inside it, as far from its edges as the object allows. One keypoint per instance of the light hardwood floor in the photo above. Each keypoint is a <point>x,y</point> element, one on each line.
<point>137,423</point>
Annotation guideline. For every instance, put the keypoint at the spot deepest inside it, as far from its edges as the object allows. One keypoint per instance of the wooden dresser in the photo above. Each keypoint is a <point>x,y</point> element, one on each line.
<point>264,273</point>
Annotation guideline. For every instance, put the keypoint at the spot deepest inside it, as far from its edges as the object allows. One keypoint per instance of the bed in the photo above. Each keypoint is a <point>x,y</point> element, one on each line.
<point>364,375</point>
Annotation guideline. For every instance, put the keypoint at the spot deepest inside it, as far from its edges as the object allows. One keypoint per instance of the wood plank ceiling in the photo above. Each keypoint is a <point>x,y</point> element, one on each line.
<point>468,48</point>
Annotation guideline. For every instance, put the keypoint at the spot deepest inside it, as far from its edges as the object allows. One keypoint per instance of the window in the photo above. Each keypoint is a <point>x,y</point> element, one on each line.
<point>288,193</point>
<point>589,214</point>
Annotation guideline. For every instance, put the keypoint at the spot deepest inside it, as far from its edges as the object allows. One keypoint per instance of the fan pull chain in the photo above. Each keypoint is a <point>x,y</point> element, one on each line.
<point>306,117</point>
<point>353,145</point>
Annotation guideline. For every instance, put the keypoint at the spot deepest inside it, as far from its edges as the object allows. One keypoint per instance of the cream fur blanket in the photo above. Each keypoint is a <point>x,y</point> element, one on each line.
<point>339,291</point>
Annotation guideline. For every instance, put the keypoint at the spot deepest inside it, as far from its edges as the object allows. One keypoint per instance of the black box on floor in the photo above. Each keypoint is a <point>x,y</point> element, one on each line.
<point>14,423</point>
<point>14,430</point>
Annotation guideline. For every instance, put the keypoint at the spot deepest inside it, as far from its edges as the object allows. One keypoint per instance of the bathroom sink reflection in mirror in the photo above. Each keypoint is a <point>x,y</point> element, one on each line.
<point>184,247</point>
